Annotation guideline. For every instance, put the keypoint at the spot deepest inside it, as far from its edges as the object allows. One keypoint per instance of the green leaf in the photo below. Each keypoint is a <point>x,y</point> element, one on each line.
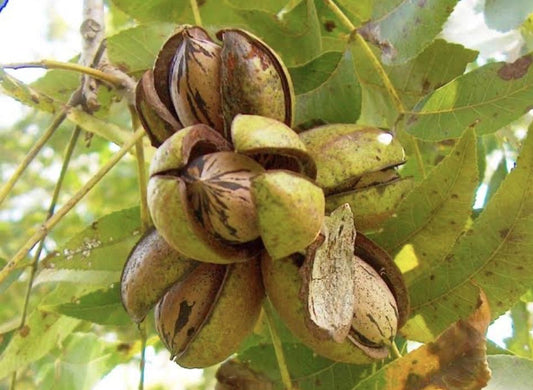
<point>509,372</point>
<point>103,246</point>
<point>337,99</point>
<point>101,307</point>
<point>178,11</point>
<point>11,278</point>
<point>102,128</point>
<point>299,28</point>
<point>429,220</point>
<point>94,278</point>
<point>85,358</point>
<point>24,94</point>
<point>438,64</point>
<point>360,11</point>
<point>43,331</point>
<point>505,15</point>
<point>134,50</point>
<point>308,371</point>
<point>33,98</point>
<point>487,98</point>
<point>494,255</point>
<point>314,73</point>
<point>58,84</point>
<point>407,27</point>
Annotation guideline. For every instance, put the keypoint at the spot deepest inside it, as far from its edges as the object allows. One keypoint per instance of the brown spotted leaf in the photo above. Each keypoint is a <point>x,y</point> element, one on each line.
<point>487,98</point>
<point>457,359</point>
<point>102,246</point>
<point>430,219</point>
<point>403,28</point>
<point>495,255</point>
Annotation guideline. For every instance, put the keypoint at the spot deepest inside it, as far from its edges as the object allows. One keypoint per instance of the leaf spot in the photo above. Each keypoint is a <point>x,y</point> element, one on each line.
<point>24,331</point>
<point>504,233</point>
<point>330,25</point>
<point>515,70</point>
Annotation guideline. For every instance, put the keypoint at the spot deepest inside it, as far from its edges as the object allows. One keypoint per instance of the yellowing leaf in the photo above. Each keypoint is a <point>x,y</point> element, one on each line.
<point>495,254</point>
<point>431,217</point>
<point>9,85</point>
<point>42,333</point>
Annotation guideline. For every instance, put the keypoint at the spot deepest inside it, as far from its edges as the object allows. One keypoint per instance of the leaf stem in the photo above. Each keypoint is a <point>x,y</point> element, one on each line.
<point>56,122</point>
<point>53,202</point>
<point>35,261</point>
<point>50,223</point>
<point>418,156</point>
<point>196,13</point>
<point>142,365</point>
<point>278,347</point>
<point>339,14</point>
<point>146,221</point>
<point>378,67</point>
<point>113,80</point>
<point>395,351</point>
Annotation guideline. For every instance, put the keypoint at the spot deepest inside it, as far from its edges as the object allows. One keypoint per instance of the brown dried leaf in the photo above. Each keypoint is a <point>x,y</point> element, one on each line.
<point>328,274</point>
<point>456,360</point>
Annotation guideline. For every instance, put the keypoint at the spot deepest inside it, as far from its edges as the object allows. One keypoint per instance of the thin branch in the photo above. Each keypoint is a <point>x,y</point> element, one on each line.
<point>378,67</point>
<point>110,79</point>
<point>340,15</point>
<point>278,348</point>
<point>376,64</point>
<point>196,13</point>
<point>49,224</point>
<point>28,158</point>
<point>142,365</point>
<point>395,351</point>
<point>53,202</point>
<point>33,270</point>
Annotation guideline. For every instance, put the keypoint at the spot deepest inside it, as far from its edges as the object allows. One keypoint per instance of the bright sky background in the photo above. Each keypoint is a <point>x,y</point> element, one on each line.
<point>25,34</point>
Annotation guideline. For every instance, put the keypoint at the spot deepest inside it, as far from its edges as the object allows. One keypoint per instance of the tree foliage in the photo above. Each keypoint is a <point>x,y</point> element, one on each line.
<point>461,120</point>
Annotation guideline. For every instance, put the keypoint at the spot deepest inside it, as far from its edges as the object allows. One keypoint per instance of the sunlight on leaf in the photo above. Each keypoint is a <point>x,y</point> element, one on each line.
<point>433,215</point>
<point>42,333</point>
<point>495,254</point>
<point>102,307</point>
<point>84,359</point>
